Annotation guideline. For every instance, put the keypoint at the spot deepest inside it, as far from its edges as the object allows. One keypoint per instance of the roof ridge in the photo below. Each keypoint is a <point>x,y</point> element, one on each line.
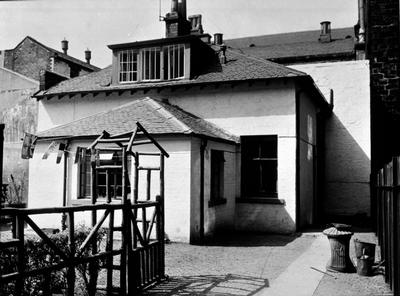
<point>284,33</point>
<point>161,109</point>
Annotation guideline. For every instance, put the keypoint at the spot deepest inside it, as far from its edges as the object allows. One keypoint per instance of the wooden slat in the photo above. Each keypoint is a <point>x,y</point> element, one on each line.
<point>9,244</point>
<point>109,167</point>
<point>143,130</point>
<point>113,140</point>
<point>45,238</point>
<point>148,168</point>
<point>94,231</point>
<point>71,267</point>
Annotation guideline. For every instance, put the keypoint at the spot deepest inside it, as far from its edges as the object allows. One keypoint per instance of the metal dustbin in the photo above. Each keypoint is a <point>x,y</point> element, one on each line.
<point>364,265</point>
<point>339,236</point>
<point>364,248</point>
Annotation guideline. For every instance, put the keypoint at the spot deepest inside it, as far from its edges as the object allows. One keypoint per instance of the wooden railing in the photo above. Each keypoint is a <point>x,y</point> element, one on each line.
<point>141,251</point>
<point>387,195</point>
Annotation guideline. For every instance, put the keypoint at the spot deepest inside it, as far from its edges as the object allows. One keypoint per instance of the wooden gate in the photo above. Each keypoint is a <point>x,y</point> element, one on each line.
<point>141,253</point>
<point>387,195</point>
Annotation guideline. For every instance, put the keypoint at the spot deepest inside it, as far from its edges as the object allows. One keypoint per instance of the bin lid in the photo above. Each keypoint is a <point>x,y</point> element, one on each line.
<point>333,231</point>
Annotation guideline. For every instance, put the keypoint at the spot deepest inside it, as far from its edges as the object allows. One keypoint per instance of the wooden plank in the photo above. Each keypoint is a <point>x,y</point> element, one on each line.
<point>19,284</point>
<point>143,130</point>
<point>45,238</point>
<point>148,185</point>
<point>71,243</point>
<point>148,168</point>
<point>132,139</point>
<point>104,134</point>
<point>9,244</point>
<point>113,140</point>
<point>109,167</point>
<point>93,232</point>
<point>109,247</point>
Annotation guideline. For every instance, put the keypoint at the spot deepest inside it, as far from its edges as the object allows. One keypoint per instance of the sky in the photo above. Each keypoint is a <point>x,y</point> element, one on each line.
<point>94,24</point>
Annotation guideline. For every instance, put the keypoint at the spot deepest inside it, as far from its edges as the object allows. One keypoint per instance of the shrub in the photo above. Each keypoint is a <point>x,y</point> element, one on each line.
<point>38,255</point>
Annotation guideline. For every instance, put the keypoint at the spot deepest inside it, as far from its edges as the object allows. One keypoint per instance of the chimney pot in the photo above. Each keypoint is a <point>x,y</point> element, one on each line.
<point>195,24</point>
<point>325,35</point>
<point>218,39</point>
<point>88,55</point>
<point>64,46</point>
<point>174,6</point>
<point>182,8</point>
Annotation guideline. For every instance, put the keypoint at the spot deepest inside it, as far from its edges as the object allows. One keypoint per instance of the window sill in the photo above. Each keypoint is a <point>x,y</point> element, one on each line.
<point>216,202</point>
<point>261,200</point>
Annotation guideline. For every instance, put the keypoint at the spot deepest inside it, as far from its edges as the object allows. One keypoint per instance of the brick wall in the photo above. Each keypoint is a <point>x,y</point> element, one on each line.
<point>383,39</point>
<point>29,58</point>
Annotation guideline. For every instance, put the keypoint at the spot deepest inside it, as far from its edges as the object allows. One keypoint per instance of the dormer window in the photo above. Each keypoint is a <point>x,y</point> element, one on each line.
<point>174,56</point>
<point>152,63</point>
<point>128,66</point>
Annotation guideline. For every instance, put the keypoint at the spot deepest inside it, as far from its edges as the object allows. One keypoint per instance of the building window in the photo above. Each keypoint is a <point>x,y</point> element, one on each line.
<point>151,64</point>
<point>128,65</point>
<point>114,175</point>
<point>174,59</point>
<point>217,178</point>
<point>259,166</point>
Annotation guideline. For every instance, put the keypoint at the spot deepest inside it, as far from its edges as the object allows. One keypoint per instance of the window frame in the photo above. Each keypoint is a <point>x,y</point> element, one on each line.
<point>245,167</point>
<point>85,162</point>
<point>165,63</point>
<point>135,52</point>
<point>217,177</point>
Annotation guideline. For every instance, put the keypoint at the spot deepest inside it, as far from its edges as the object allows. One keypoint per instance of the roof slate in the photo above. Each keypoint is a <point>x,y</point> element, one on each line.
<point>239,67</point>
<point>295,44</point>
<point>157,117</point>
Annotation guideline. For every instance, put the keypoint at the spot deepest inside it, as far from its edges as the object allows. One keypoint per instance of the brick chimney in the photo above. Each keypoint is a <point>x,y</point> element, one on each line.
<point>64,46</point>
<point>175,21</point>
<point>88,55</point>
<point>325,35</point>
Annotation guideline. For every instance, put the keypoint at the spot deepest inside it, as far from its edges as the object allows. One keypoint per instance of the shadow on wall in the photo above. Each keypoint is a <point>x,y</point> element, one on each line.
<point>347,169</point>
<point>209,285</point>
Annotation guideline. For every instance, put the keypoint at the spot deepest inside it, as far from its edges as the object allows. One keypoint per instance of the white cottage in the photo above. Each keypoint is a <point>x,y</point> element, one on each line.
<point>243,133</point>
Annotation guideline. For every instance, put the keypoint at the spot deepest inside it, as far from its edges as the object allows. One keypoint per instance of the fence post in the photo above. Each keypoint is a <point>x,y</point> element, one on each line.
<point>19,284</point>
<point>71,242</point>
<point>160,236</point>
<point>396,225</point>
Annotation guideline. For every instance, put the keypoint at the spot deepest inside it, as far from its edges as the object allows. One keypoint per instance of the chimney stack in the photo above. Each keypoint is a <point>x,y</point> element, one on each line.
<point>182,8</point>
<point>325,35</point>
<point>88,55</point>
<point>218,39</point>
<point>64,46</point>
<point>175,21</point>
<point>361,21</point>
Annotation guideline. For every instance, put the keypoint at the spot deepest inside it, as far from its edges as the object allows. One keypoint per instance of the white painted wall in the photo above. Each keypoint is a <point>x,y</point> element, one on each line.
<point>347,135</point>
<point>47,176</point>
<point>246,110</point>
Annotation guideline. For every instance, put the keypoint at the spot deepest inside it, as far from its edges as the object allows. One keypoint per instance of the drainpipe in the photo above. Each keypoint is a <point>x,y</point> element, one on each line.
<point>203,146</point>
<point>64,215</point>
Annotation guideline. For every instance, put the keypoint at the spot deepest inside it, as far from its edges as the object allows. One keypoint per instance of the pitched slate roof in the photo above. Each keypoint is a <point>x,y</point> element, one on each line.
<point>297,45</point>
<point>157,117</point>
<point>62,55</point>
<point>238,67</point>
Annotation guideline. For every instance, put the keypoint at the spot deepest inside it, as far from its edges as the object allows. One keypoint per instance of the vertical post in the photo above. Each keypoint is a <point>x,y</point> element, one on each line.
<point>160,236</point>
<point>125,226</point>
<point>93,264</point>
<point>396,225</point>
<point>136,180</point>
<point>72,248</point>
<point>148,185</point>
<point>108,191</point>
<point>19,284</point>
<point>109,248</point>
<point>162,216</point>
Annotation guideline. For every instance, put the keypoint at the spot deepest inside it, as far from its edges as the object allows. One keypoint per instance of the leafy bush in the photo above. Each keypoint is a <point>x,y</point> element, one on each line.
<point>38,255</point>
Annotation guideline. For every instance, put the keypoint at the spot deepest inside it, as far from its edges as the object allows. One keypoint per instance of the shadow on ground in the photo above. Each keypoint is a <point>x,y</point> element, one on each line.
<point>241,239</point>
<point>221,285</point>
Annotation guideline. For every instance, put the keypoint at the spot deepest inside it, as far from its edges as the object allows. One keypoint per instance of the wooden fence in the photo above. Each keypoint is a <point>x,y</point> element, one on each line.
<point>141,251</point>
<point>387,194</point>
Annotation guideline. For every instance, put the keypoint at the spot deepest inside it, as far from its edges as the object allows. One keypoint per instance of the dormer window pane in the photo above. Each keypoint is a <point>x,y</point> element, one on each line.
<point>151,66</point>
<point>128,64</point>
<point>175,61</point>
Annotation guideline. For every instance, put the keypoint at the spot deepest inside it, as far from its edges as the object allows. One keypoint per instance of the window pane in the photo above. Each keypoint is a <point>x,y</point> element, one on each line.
<point>259,166</point>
